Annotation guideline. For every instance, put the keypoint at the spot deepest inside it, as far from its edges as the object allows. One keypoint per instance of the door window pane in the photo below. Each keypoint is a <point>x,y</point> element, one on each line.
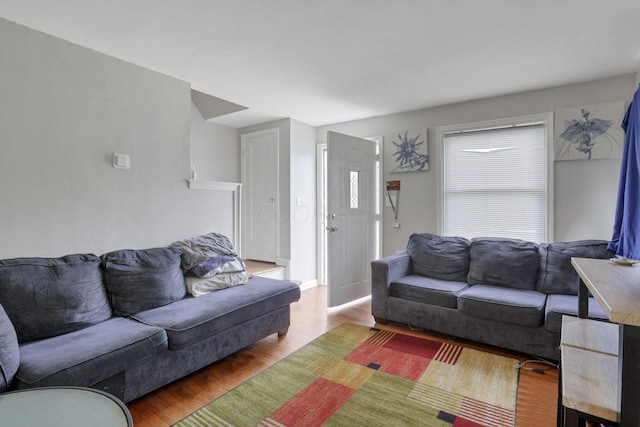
<point>354,201</point>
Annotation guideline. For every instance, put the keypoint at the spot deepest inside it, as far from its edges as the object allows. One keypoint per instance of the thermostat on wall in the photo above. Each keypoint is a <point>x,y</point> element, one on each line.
<point>120,161</point>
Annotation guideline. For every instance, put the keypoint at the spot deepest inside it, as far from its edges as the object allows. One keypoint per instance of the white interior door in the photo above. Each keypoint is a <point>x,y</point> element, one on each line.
<point>260,178</point>
<point>351,211</point>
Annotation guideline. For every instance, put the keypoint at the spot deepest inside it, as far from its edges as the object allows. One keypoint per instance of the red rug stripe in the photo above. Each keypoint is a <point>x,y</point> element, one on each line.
<point>314,405</point>
<point>449,354</point>
<point>461,422</point>
<point>487,414</point>
<point>380,338</point>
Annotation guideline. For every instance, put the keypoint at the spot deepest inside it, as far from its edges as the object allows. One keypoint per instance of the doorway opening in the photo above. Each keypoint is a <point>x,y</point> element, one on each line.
<point>322,252</point>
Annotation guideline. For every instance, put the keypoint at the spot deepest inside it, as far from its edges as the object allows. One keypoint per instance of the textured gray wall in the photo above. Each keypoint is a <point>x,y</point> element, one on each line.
<point>584,191</point>
<point>64,111</point>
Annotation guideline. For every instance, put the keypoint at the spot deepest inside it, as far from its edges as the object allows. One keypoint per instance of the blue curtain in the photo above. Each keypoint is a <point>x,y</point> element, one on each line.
<point>626,229</point>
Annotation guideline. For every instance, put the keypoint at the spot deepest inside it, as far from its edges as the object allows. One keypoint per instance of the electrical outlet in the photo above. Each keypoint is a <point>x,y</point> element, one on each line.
<point>396,224</point>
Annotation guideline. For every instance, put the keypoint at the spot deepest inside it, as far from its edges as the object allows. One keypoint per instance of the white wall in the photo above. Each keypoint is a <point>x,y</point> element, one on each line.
<point>64,110</point>
<point>585,191</point>
<point>303,203</point>
<point>215,149</point>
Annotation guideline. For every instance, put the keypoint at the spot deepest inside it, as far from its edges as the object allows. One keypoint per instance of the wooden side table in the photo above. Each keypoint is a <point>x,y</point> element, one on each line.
<point>617,289</point>
<point>589,371</point>
<point>63,406</point>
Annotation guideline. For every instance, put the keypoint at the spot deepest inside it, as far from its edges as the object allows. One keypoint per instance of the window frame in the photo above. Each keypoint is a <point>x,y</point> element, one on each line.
<point>545,118</point>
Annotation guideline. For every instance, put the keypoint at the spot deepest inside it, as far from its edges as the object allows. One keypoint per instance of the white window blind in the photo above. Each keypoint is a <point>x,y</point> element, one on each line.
<point>495,182</point>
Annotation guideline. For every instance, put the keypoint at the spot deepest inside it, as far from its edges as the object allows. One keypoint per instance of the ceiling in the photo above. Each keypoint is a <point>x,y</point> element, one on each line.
<point>329,61</point>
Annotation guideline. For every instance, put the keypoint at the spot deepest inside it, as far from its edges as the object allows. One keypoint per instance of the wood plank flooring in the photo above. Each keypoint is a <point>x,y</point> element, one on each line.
<point>310,318</point>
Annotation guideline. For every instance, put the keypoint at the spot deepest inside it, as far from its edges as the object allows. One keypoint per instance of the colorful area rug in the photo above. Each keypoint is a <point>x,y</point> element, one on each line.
<point>360,376</point>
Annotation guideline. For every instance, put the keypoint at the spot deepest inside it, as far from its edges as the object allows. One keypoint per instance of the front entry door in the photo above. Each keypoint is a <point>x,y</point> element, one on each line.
<point>351,211</point>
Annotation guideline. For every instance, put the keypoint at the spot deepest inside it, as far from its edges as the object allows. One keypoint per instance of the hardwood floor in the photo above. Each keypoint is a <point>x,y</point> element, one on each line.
<point>537,393</point>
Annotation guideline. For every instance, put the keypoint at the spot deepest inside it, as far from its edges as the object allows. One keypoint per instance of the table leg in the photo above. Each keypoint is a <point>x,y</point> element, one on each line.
<point>583,300</point>
<point>570,418</point>
<point>629,375</point>
<point>560,417</point>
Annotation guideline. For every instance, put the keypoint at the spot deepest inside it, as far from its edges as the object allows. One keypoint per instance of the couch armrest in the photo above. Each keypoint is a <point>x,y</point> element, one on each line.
<point>9,351</point>
<point>383,272</point>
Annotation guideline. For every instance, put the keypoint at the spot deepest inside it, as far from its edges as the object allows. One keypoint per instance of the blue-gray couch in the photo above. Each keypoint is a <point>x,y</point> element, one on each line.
<point>123,322</point>
<point>503,292</point>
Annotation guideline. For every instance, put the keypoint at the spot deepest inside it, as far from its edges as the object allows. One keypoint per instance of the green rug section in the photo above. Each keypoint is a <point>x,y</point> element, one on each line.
<point>360,376</point>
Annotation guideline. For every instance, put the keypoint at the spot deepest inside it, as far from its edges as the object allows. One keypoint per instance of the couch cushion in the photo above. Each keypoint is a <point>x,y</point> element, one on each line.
<point>559,305</point>
<point>439,257</point>
<point>427,290</point>
<point>557,275</point>
<point>139,280</point>
<point>515,306</point>
<point>193,319</point>
<point>511,263</point>
<point>90,355</point>
<point>9,351</point>
<point>45,297</point>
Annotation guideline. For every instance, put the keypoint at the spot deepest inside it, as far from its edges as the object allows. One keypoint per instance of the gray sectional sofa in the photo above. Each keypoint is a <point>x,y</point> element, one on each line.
<point>503,292</point>
<point>124,322</point>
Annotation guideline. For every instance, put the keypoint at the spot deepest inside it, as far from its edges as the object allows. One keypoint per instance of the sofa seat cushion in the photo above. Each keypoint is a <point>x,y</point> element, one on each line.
<point>515,306</point>
<point>142,279</point>
<point>90,355</point>
<point>511,263</point>
<point>559,305</point>
<point>439,257</point>
<point>9,351</point>
<point>192,319</point>
<point>427,290</point>
<point>45,297</point>
<point>557,275</point>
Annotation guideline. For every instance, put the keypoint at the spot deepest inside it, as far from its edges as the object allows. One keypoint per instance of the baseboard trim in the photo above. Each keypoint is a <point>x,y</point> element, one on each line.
<point>308,284</point>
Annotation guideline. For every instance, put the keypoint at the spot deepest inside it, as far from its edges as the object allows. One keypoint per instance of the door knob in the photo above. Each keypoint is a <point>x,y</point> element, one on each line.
<point>333,228</point>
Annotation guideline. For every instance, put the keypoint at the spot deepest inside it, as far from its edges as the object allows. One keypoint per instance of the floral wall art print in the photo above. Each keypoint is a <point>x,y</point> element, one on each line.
<point>589,132</point>
<point>410,150</point>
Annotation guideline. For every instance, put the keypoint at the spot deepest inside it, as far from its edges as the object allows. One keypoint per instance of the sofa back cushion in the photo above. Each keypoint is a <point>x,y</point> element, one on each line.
<point>439,257</point>
<point>9,351</point>
<point>45,297</point>
<point>139,280</point>
<point>557,275</point>
<point>510,263</point>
